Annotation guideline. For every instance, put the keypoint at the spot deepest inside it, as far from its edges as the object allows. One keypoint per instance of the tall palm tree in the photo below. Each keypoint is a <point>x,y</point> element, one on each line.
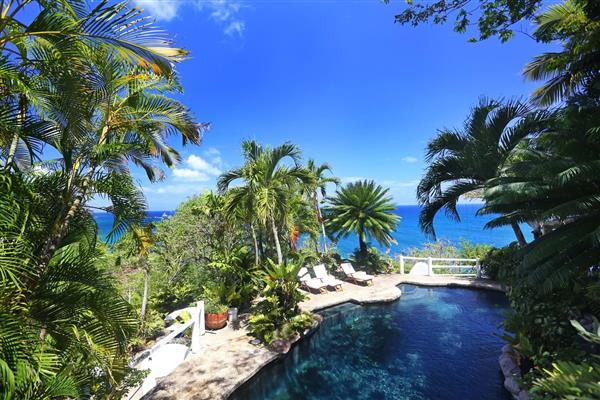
<point>461,162</point>
<point>318,186</point>
<point>116,116</point>
<point>363,208</point>
<point>266,184</point>
<point>59,38</point>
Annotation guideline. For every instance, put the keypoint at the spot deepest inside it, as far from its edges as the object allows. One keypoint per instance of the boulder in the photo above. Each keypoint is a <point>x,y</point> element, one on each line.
<point>512,386</point>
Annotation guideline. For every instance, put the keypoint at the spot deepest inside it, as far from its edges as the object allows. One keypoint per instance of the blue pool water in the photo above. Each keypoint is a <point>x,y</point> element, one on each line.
<point>433,343</point>
<point>408,233</point>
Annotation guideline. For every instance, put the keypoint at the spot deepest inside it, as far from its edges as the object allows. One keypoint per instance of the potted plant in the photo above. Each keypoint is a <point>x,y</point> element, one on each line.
<point>215,315</point>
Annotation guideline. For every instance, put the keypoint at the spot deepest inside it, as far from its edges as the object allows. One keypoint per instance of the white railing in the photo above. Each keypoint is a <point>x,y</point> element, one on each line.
<point>144,360</point>
<point>459,264</point>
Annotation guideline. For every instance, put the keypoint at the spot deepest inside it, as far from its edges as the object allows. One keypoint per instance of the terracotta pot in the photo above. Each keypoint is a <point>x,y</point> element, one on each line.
<point>215,321</point>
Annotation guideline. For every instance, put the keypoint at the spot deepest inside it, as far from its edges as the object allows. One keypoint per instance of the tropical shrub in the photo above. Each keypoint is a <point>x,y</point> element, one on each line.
<point>280,296</point>
<point>496,262</point>
<point>572,380</point>
<point>373,262</point>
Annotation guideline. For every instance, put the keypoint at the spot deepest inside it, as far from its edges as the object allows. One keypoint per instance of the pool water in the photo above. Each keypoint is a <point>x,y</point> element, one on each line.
<point>433,343</point>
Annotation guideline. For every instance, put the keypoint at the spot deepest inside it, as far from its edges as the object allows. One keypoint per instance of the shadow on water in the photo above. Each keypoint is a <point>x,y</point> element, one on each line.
<point>434,343</point>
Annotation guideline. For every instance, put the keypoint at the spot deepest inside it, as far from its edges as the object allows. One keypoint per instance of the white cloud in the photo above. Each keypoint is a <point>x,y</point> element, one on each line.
<point>200,164</point>
<point>235,28</point>
<point>164,10</point>
<point>196,169</point>
<point>214,155</point>
<point>410,159</point>
<point>190,175</point>
<point>223,12</point>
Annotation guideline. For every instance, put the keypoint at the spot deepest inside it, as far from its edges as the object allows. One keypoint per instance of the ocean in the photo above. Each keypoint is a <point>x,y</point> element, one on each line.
<point>408,234</point>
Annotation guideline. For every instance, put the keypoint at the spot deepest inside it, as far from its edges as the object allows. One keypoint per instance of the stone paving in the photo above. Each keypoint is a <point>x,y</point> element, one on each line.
<point>227,358</point>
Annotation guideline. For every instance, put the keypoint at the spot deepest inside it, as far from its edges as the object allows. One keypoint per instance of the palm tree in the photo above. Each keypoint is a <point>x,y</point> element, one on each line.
<point>363,208</point>
<point>574,69</point>
<point>318,185</point>
<point>461,162</point>
<point>557,180</point>
<point>126,116</point>
<point>266,184</point>
<point>75,319</point>
<point>59,38</point>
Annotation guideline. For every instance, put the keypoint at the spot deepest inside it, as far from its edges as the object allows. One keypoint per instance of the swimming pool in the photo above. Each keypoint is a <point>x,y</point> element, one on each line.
<point>433,343</point>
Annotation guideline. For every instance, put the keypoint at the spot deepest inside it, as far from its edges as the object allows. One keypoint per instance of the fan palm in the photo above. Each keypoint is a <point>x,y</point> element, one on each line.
<point>318,186</point>
<point>365,209</point>
<point>461,162</point>
<point>266,184</point>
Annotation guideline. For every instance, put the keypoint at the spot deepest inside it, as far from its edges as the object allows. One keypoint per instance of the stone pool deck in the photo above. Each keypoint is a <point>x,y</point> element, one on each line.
<point>227,359</point>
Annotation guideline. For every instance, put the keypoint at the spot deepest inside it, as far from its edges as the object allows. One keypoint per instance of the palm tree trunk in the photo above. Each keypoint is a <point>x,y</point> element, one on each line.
<point>277,244</point>
<point>15,140</point>
<point>53,240</point>
<point>320,218</point>
<point>144,301</point>
<point>256,255</point>
<point>519,234</point>
<point>362,246</point>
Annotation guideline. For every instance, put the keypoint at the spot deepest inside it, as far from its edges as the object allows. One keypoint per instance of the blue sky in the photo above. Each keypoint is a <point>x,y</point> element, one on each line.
<point>338,78</point>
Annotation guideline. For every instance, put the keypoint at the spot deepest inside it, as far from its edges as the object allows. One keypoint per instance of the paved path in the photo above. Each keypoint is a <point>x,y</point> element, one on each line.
<point>227,359</point>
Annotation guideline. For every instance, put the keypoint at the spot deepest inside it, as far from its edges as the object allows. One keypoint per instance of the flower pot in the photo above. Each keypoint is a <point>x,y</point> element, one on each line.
<point>215,321</point>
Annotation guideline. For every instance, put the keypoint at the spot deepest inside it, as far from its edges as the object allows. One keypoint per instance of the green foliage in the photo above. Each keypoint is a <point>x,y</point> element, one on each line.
<point>497,260</point>
<point>373,262</point>
<point>462,161</point>
<point>363,208</point>
<point>75,318</point>
<point>154,325</point>
<point>572,380</point>
<point>494,17</point>
<point>214,307</point>
<point>280,297</point>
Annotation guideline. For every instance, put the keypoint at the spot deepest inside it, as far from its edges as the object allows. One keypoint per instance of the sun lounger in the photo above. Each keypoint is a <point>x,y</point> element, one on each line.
<point>321,273</point>
<point>309,283</point>
<point>357,276</point>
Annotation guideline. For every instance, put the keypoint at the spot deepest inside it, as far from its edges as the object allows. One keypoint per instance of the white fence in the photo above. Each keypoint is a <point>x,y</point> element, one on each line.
<point>161,359</point>
<point>458,264</point>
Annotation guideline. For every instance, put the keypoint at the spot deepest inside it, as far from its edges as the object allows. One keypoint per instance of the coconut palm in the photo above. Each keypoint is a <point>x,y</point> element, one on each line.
<point>318,186</point>
<point>365,209</point>
<point>266,186</point>
<point>461,162</point>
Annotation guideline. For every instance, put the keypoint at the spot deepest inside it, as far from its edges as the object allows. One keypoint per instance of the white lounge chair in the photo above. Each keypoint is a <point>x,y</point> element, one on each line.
<point>309,283</point>
<point>357,276</point>
<point>321,273</point>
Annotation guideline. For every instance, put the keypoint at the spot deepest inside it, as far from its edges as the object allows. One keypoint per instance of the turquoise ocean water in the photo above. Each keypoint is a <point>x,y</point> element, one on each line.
<point>408,234</point>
